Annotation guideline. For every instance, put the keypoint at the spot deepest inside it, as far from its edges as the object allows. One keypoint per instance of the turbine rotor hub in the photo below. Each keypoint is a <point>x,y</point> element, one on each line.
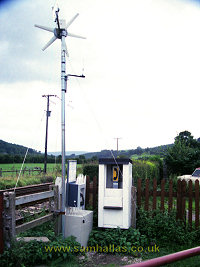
<point>60,32</point>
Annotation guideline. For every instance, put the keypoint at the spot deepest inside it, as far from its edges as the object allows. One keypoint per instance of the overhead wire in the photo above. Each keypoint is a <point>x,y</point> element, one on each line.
<point>56,141</point>
<point>26,153</point>
<point>94,116</point>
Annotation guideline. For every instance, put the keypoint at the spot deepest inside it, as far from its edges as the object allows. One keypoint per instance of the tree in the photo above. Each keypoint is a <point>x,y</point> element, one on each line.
<point>187,139</point>
<point>94,158</point>
<point>138,150</point>
<point>184,156</point>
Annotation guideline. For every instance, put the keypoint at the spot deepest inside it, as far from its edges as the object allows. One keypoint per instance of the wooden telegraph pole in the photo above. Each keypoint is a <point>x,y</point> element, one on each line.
<point>48,114</point>
<point>117,142</point>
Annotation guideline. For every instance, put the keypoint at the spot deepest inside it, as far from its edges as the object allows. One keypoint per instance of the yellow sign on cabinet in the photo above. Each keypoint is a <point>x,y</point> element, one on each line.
<point>115,174</point>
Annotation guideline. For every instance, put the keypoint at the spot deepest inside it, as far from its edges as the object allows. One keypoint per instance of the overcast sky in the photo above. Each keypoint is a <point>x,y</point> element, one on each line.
<point>141,60</point>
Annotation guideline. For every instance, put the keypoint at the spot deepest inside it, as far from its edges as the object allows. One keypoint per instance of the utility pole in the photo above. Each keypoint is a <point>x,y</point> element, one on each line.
<point>48,114</point>
<point>117,142</point>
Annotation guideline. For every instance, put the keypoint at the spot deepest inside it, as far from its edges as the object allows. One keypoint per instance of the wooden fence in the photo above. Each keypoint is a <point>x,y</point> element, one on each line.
<point>184,198</point>
<point>25,170</point>
<point>91,192</point>
<point>8,204</point>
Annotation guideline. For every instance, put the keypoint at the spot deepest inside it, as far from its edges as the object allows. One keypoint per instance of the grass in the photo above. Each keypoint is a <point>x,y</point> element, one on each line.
<point>193,261</point>
<point>142,156</point>
<point>51,167</point>
<point>60,263</point>
<point>9,179</point>
<point>17,166</point>
<point>10,182</point>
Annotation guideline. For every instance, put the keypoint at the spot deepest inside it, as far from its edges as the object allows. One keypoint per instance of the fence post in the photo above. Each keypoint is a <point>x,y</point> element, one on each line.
<point>147,195</point>
<point>154,193</point>
<point>162,206</point>
<point>1,224</point>
<point>9,223</point>
<point>183,193</point>
<point>94,192</point>
<point>87,190</point>
<point>56,208</point>
<point>133,206</point>
<point>178,200</point>
<point>139,192</point>
<point>170,200</point>
<point>190,204</point>
<point>197,203</point>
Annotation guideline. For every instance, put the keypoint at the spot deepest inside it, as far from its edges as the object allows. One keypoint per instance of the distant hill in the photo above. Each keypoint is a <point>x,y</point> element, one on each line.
<point>13,149</point>
<point>158,150</point>
<point>68,153</point>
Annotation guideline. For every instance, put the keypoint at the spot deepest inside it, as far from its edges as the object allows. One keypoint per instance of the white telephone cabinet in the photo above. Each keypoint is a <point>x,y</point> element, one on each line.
<point>114,196</point>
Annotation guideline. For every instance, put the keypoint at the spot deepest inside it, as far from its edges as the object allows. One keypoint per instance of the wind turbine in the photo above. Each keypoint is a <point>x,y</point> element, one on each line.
<point>61,32</point>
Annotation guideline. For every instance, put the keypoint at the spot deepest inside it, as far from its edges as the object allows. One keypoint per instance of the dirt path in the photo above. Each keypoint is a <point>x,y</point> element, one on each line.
<point>93,259</point>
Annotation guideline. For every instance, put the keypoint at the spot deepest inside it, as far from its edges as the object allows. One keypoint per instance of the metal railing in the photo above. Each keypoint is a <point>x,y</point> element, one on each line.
<point>168,258</point>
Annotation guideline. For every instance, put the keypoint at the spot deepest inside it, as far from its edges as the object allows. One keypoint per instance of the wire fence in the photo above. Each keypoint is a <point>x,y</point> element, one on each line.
<point>29,171</point>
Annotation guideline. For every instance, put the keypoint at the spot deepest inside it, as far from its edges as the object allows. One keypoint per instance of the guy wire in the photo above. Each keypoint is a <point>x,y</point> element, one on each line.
<point>26,154</point>
<point>21,168</point>
<point>96,120</point>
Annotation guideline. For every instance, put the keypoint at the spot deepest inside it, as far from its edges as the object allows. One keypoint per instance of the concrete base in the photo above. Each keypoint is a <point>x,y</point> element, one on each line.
<point>79,224</point>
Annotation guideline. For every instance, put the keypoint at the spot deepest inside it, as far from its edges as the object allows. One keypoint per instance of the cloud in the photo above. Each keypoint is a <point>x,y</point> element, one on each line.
<point>141,66</point>
<point>20,43</point>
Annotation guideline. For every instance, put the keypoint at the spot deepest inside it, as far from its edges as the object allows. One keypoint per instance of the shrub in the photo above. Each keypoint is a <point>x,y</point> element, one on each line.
<point>34,252</point>
<point>117,237</point>
<point>162,227</point>
<point>91,170</point>
<point>46,179</point>
<point>151,167</point>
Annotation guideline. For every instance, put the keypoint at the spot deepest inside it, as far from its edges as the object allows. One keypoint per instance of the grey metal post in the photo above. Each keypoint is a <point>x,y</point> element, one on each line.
<point>63,91</point>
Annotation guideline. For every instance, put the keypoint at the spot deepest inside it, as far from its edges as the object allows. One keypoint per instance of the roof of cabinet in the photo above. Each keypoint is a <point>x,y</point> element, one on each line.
<point>107,161</point>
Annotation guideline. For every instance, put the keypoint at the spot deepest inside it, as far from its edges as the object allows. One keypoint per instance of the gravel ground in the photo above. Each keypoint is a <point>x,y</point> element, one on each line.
<point>93,259</point>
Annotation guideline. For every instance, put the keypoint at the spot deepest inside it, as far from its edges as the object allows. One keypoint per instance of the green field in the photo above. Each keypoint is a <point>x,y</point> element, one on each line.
<point>9,179</point>
<point>17,166</point>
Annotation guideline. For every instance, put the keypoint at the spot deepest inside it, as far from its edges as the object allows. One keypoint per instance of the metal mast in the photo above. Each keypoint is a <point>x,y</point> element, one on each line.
<point>61,33</point>
<point>63,91</point>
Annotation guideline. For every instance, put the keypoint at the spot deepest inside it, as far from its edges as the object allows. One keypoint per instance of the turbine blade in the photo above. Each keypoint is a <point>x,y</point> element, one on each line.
<point>66,51</point>
<point>70,22</point>
<point>49,43</point>
<point>44,28</point>
<point>75,35</point>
